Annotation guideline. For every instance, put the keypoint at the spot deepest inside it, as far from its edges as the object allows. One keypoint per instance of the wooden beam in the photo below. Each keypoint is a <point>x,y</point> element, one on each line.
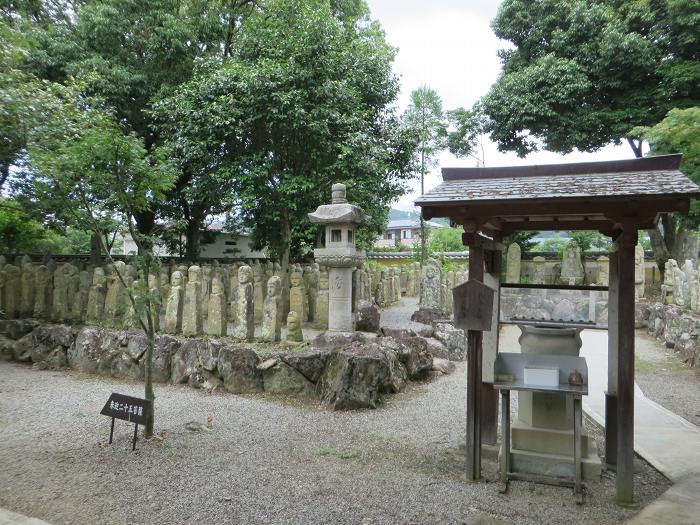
<point>625,244</point>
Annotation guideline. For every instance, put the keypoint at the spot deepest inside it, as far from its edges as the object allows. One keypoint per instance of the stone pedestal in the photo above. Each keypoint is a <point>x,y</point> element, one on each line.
<point>542,435</point>
<point>340,299</point>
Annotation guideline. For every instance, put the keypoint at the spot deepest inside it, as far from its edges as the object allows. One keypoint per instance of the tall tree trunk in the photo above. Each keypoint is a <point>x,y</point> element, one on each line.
<point>193,237</point>
<point>284,264</point>
<point>422,222</point>
<point>145,222</point>
<point>96,249</point>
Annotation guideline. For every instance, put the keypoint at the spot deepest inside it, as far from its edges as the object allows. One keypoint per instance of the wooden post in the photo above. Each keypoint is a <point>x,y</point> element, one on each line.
<point>474,337</point>
<point>489,396</point>
<point>611,393</point>
<point>625,366</point>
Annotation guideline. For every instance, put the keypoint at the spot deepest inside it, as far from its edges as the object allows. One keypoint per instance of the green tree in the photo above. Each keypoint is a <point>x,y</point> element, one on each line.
<point>445,240</point>
<point>678,132</point>
<point>134,53</point>
<point>80,155</point>
<point>583,73</point>
<point>436,130</point>
<point>286,116</point>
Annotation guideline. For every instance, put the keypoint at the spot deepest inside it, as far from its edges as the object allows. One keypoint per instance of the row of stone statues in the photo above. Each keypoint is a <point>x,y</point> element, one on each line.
<point>570,270</point>
<point>193,299</point>
<point>681,285</point>
<point>436,286</point>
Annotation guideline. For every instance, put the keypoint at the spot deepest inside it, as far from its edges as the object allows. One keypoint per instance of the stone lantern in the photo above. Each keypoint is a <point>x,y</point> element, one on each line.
<point>339,254</point>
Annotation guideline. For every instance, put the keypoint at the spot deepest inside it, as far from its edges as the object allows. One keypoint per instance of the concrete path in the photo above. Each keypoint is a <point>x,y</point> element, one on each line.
<point>12,518</point>
<point>667,441</point>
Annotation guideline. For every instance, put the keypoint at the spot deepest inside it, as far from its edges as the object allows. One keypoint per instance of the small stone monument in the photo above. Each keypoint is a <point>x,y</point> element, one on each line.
<point>603,271</point>
<point>669,278</point>
<point>12,291</point>
<point>272,318</point>
<point>322,302</point>
<point>173,306</point>
<point>539,273</point>
<point>42,299</point>
<point>572,272</point>
<point>216,320</point>
<point>639,276</point>
<point>28,289</point>
<point>245,329</point>
<point>294,327</point>
<point>296,295</point>
<point>191,310</point>
<point>258,291</point>
<point>431,287</point>
<point>339,254</point>
<point>513,263</point>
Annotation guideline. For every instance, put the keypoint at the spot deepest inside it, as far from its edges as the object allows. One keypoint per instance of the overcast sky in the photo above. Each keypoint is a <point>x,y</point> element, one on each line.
<point>449,46</point>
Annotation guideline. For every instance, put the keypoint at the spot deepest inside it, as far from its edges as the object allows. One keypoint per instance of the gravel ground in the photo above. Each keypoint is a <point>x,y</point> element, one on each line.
<point>268,460</point>
<point>665,379</point>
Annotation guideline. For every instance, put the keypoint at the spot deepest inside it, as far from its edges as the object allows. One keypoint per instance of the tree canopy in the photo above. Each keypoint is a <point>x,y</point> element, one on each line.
<point>583,73</point>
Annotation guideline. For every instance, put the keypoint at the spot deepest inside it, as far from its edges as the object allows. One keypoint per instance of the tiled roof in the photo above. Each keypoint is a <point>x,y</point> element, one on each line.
<point>411,223</point>
<point>640,183</point>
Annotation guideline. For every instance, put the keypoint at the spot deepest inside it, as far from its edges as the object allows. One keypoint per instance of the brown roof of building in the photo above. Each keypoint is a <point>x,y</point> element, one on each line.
<point>652,176</point>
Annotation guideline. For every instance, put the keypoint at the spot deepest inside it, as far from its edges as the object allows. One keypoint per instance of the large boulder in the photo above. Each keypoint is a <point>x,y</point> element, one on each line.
<point>642,311</point>
<point>166,346</point>
<point>358,373</point>
<point>84,355</point>
<point>195,362</point>
<point>367,317</point>
<point>46,344</point>
<point>443,365</point>
<point>310,363</point>
<point>397,333</point>
<point>437,348</point>
<point>688,349</point>
<point>337,340</point>
<point>17,328</point>
<point>412,352</point>
<point>453,338</point>
<point>237,369</point>
<point>283,379</point>
<point>7,346</point>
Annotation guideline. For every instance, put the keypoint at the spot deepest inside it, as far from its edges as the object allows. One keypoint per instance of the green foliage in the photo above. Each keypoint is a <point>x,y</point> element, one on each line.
<point>286,116</point>
<point>19,233</point>
<point>583,73</point>
<point>553,245</point>
<point>591,241</point>
<point>524,239</point>
<point>679,132</point>
<point>446,240</point>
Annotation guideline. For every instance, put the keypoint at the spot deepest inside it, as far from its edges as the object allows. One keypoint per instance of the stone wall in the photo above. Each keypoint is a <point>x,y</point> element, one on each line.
<point>345,372</point>
<point>676,328</point>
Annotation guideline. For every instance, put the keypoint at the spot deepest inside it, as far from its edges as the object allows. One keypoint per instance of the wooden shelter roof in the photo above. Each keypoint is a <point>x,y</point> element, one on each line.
<point>582,196</point>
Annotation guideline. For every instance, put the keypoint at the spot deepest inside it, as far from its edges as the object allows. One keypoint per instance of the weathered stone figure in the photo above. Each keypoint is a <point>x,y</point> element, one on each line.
<point>572,272</point>
<point>513,263</point>
<point>540,270</point>
<point>311,276</point>
<point>431,287</point>
<point>233,293</point>
<point>96,296</point>
<point>272,318</point>
<point>603,270</point>
<point>639,276</point>
<point>42,297</point>
<point>174,305</point>
<point>667,288</point>
<point>115,300</point>
<point>216,322</point>
<point>28,285</point>
<point>192,310</point>
<point>12,291</point>
<point>245,329</point>
<point>322,302</point>
<point>258,292</point>
<point>396,285</point>
<point>294,332</point>
<point>296,296</point>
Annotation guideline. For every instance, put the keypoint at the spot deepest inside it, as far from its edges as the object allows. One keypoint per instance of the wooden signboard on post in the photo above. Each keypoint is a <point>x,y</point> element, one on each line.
<point>473,306</point>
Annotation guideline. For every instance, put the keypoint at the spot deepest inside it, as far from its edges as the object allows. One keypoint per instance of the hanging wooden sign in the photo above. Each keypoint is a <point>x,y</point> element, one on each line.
<point>473,306</point>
